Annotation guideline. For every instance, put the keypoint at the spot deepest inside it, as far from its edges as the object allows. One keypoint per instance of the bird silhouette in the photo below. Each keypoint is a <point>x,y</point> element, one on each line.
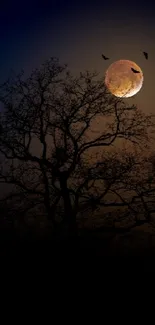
<point>135,71</point>
<point>104,57</point>
<point>146,55</point>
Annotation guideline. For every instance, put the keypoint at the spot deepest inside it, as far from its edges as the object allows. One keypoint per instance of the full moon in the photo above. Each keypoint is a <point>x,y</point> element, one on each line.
<point>121,80</point>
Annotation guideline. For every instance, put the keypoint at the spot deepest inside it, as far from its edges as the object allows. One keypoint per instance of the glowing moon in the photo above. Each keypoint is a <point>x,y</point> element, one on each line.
<point>121,80</point>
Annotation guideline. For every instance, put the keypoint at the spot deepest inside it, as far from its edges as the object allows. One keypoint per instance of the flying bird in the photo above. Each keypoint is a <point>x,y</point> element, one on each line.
<point>135,71</point>
<point>104,57</point>
<point>146,55</point>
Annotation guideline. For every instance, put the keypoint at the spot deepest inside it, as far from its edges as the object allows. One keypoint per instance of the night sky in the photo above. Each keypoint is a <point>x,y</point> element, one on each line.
<point>78,32</point>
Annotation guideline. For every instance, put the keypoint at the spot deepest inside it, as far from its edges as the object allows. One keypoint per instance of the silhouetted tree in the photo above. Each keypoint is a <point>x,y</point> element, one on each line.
<point>48,134</point>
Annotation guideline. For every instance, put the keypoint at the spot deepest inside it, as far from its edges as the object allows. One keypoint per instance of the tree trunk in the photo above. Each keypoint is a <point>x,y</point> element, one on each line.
<point>69,217</point>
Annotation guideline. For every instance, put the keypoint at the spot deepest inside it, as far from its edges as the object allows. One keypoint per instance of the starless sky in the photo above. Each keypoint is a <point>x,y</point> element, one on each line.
<point>78,32</point>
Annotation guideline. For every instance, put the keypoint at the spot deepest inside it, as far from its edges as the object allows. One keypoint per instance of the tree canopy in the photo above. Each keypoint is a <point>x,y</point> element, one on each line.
<point>56,155</point>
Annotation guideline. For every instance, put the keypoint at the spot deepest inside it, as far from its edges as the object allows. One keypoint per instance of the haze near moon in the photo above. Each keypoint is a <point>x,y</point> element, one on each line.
<point>121,80</point>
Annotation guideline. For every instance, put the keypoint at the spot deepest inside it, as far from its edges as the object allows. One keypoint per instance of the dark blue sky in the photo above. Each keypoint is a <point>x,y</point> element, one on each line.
<point>78,32</point>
